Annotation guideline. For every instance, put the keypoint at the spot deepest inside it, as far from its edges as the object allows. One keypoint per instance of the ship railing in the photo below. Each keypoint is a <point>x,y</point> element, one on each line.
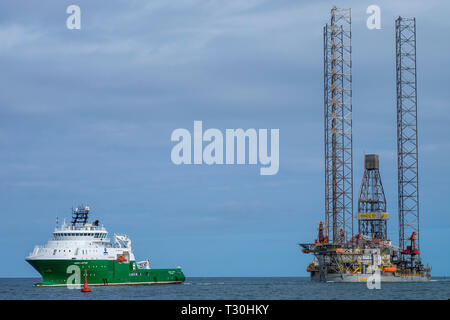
<point>36,250</point>
<point>70,227</point>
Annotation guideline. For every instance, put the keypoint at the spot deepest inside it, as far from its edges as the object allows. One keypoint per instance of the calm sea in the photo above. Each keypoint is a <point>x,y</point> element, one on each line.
<point>233,288</point>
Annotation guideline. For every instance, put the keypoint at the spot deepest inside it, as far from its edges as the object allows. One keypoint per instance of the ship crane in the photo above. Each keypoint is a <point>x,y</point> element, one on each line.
<point>122,241</point>
<point>411,249</point>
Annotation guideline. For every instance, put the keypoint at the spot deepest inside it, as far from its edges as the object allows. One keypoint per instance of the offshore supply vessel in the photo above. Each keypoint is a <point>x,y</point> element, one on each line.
<point>82,247</point>
<point>339,254</point>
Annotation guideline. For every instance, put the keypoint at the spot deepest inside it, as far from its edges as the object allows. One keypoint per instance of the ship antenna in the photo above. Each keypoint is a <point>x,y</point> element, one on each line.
<point>80,215</point>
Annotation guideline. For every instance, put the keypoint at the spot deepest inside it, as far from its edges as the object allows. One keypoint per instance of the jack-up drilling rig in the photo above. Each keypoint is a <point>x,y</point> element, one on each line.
<point>339,255</point>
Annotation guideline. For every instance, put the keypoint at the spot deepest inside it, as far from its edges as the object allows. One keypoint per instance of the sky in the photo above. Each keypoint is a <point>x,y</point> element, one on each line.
<point>86,117</point>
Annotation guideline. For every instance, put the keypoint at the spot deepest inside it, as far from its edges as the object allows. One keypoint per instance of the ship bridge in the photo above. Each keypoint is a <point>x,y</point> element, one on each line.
<point>89,231</point>
<point>80,229</point>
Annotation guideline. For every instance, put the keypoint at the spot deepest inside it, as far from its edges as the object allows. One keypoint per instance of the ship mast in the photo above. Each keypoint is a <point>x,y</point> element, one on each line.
<point>80,215</point>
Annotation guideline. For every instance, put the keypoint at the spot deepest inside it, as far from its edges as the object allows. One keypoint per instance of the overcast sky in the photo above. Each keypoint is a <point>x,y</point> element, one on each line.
<point>86,116</point>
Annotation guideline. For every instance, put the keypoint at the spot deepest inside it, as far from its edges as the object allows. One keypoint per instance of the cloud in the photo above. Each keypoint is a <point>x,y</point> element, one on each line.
<point>87,114</point>
<point>16,37</point>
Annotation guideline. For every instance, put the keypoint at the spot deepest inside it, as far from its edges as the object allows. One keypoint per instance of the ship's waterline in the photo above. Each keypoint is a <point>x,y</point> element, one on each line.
<point>83,246</point>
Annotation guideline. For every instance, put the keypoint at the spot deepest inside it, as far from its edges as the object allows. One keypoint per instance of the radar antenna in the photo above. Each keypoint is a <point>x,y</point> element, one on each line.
<point>80,215</point>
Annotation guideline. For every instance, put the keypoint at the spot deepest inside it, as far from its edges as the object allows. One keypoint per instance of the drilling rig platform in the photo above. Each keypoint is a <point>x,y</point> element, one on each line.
<point>339,254</point>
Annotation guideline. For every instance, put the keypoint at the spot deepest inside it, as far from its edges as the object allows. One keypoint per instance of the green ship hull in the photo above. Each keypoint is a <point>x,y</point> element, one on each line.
<point>102,272</point>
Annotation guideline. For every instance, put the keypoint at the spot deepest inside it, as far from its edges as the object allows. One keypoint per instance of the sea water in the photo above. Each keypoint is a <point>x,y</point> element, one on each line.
<point>232,288</point>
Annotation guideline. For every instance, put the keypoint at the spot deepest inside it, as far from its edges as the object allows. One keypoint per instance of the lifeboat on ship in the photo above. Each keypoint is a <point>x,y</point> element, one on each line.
<point>389,269</point>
